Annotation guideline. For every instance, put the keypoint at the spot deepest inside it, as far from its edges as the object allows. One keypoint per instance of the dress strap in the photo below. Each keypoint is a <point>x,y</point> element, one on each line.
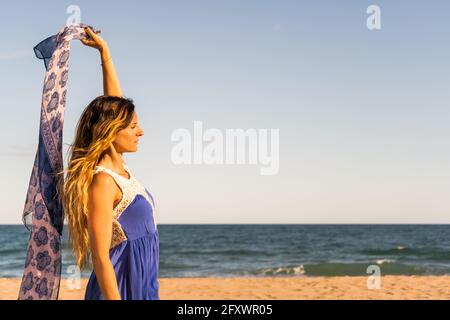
<point>119,179</point>
<point>127,170</point>
<point>130,188</point>
<point>121,182</point>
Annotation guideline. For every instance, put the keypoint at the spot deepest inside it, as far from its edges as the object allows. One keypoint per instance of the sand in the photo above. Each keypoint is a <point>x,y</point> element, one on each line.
<point>291,288</point>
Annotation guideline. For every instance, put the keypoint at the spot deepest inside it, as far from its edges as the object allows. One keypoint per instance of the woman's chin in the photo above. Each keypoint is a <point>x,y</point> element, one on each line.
<point>135,149</point>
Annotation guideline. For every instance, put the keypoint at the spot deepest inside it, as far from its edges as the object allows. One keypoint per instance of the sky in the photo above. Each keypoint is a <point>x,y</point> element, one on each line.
<point>362,114</point>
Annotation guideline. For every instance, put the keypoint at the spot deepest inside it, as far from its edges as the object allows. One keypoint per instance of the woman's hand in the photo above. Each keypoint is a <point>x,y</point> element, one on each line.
<point>94,40</point>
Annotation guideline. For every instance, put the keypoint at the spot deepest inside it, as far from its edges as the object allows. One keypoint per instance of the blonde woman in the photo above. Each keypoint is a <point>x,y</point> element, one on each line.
<point>111,215</point>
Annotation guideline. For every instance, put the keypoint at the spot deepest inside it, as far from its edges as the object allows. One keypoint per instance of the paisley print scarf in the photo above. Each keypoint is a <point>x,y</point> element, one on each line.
<point>43,212</point>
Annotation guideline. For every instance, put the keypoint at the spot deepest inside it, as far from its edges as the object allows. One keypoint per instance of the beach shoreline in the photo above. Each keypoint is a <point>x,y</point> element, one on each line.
<point>274,288</point>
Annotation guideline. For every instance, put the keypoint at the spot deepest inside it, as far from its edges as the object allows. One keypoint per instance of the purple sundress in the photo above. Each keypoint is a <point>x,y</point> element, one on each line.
<point>134,251</point>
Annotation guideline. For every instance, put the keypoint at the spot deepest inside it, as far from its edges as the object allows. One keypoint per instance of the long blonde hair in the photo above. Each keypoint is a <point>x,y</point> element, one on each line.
<point>96,130</point>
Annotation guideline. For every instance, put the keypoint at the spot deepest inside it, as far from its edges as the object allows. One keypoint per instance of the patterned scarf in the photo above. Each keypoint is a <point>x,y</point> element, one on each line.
<point>43,212</point>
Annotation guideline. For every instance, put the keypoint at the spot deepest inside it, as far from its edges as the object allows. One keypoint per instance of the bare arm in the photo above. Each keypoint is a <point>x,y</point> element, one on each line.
<point>100,208</point>
<point>111,84</point>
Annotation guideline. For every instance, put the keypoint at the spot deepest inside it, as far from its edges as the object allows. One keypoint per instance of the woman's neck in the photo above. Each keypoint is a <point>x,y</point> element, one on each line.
<point>112,159</point>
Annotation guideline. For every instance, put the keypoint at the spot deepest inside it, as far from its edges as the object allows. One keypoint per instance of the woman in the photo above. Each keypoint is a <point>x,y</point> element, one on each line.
<point>110,214</point>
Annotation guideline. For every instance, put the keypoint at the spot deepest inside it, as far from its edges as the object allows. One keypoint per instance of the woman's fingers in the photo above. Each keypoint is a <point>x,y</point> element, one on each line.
<point>88,31</point>
<point>91,34</point>
<point>85,41</point>
<point>89,43</point>
<point>93,39</point>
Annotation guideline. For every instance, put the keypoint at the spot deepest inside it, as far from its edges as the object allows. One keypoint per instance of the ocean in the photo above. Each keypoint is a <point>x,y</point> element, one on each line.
<point>261,250</point>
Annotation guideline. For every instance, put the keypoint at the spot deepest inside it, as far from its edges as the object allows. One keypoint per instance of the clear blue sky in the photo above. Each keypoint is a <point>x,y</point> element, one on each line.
<point>363,115</point>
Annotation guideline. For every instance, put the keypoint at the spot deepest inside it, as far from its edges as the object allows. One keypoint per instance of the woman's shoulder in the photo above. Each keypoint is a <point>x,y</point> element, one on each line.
<point>102,182</point>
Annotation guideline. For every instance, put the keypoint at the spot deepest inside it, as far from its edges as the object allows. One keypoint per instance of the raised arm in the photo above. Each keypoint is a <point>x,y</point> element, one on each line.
<point>111,84</point>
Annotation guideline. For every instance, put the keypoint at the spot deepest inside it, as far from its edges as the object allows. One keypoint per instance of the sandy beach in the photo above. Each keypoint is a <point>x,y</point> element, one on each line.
<point>298,288</point>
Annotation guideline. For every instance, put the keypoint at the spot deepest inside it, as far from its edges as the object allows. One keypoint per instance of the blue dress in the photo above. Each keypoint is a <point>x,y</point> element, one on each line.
<point>134,251</point>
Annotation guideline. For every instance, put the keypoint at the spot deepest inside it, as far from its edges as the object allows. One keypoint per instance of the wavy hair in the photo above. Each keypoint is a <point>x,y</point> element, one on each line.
<point>95,131</point>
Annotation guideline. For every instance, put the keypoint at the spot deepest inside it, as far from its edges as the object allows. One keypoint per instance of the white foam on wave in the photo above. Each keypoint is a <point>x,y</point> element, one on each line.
<point>381,261</point>
<point>299,270</point>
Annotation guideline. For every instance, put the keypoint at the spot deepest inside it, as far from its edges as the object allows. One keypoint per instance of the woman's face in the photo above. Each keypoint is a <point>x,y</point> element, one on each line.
<point>127,139</point>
